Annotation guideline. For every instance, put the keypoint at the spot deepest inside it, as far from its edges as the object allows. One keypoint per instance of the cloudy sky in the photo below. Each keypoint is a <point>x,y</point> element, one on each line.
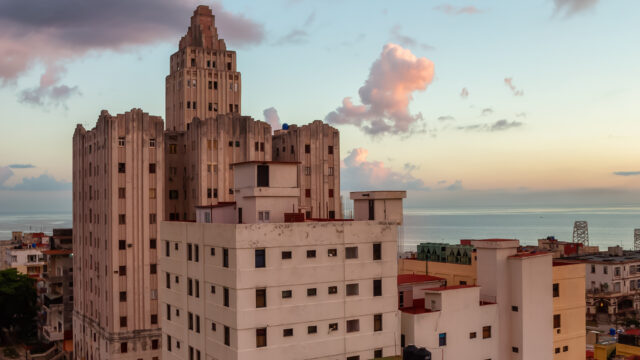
<point>465,103</point>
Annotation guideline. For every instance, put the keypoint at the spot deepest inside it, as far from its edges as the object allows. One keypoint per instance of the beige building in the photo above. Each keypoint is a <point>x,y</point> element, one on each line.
<point>28,261</point>
<point>241,283</point>
<point>316,146</point>
<point>203,80</point>
<point>569,320</point>
<point>117,202</point>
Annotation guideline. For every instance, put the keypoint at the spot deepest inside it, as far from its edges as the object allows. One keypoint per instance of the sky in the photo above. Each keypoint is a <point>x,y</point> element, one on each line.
<point>463,103</point>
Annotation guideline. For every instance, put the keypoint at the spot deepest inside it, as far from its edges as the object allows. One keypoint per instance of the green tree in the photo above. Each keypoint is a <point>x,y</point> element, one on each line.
<point>18,304</point>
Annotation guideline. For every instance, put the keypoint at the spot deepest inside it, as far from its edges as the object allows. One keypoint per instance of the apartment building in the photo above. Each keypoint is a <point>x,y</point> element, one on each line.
<point>569,319</point>
<point>253,280</point>
<point>57,300</point>
<point>203,80</point>
<point>117,202</point>
<point>27,260</point>
<point>316,146</point>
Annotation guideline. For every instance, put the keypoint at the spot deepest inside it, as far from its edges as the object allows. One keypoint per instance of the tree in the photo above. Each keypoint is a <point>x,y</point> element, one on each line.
<point>18,304</point>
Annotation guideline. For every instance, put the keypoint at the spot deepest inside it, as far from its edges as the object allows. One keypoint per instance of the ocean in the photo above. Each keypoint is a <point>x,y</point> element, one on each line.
<point>607,226</point>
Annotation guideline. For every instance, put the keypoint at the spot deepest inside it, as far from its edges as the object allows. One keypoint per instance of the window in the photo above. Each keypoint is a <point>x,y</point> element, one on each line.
<point>123,347</point>
<point>307,170</point>
<point>225,258</point>
<point>123,321</point>
<point>311,253</point>
<point>307,149</point>
<point>237,143</point>
<point>332,252</point>
<point>311,292</point>
<point>152,168</point>
<point>605,270</point>
<point>169,342</point>
<point>330,193</point>
<point>153,268</point>
<point>353,325</point>
<point>261,298</point>
<point>514,308</point>
<point>287,332</point>
<point>122,270</point>
<point>557,350</point>
<point>333,327</point>
<point>122,219</point>
<point>286,294</point>
<point>377,353</point>
<point>312,329</point>
<point>556,290</point>
<point>377,287</point>
<point>123,296</point>
<point>152,243</point>
<point>377,251</point>
<point>189,286</point>
<point>377,322</point>
<point>121,168</point>
<point>260,258</point>
<point>307,193</point>
<point>472,335</point>
<point>333,290</point>
<point>515,349</point>
<point>261,337</point>
<point>154,344</point>
<point>152,143</point>
<point>263,176</point>
<point>565,348</point>
<point>173,194</point>
<point>154,319</point>
<point>121,141</point>
<point>198,323</point>
<point>486,332</point>
<point>227,336</point>
<point>616,271</point>
<point>330,170</point>
<point>556,321</point>
<point>213,289</point>
<point>226,297</point>
<point>352,289</point>
<point>213,251</point>
<point>213,326</point>
<point>152,218</point>
<point>168,312</point>
<point>263,216</point>
<point>190,316</point>
<point>286,255</point>
<point>442,339</point>
<point>122,193</point>
<point>173,148</point>
<point>122,244</point>
<point>593,269</point>
<point>330,150</point>
<point>351,252</point>
<point>152,193</point>
<point>168,281</point>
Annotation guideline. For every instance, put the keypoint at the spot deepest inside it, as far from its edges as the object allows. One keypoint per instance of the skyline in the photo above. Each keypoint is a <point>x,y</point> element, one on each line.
<point>464,95</point>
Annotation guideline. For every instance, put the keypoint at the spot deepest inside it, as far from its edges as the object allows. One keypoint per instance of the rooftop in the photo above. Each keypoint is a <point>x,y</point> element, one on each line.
<point>218,205</point>
<point>58,252</point>
<point>414,278</point>
<point>607,258</point>
<point>527,254</point>
<point>453,287</point>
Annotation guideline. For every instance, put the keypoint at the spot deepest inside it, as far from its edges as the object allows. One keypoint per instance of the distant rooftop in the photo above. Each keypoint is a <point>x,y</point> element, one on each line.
<point>414,278</point>
<point>607,258</point>
<point>452,287</point>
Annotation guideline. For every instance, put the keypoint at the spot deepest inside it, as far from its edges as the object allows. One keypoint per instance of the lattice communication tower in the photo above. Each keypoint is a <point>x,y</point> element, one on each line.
<point>636,239</point>
<point>581,232</point>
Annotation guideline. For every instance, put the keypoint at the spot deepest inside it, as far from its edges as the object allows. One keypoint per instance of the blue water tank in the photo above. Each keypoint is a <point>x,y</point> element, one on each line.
<point>285,126</point>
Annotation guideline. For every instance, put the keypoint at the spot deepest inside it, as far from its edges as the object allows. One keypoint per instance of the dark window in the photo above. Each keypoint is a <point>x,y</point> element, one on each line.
<point>286,255</point>
<point>123,321</point>
<point>351,252</point>
<point>213,251</point>
<point>286,294</point>
<point>261,337</point>
<point>333,327</point>
<point>260,258</point>
<point>213,289</point>
<point>311,292</point>
<point>169,342</point>
<point>153,268</point>
<point>556,290</point>
<point>190,321</point>
<point>168,281</point>
<point>312,329</point>
<point>152,243</point>
<point>353,325</point>
<point>307,193</point>
<point>123,296</point>
<point>210,85</point>
<point>152,218</point>
<point>557,350</point>
<point>333,290</point>
<point>556,321</point>
<point>257,146</point>
<point>152,168</point>
<point>261,298</point>
<point>197,252</point>
<point>263,175</point>
<point>330,150</point>
<point>168,312</point>
<point>225,258</point>
<point>377,322</point>
<point>239,214</point>
<point>486,332</point>
<point>442,339</point>
<point>352,289</point>
<point>215,84</point>
<point>226,297</point>
<point>330,193</point>
<point>189,287</point>
<point>227,336</point>
<point>514,308</point>
<point>311,253</point>
<point>167,249</point>
<point>565,348</point>
<point>193,62</point>
<point>472,335</point>
<point>515,349</point>
<point>154,344</point>
<point>123,347</point>
<point>332,214</point>
<point>209,193</point>
<point>307,149</point>
<point>122,193</point>
<point>371,210</point>
<point>122,219</point>
<point>213,326</point>
<point>215,193</point>
<point>377,353</point>
<point>122,244</point>
<point>377,287</point>
<point>154,319</point>
<point>231,143</point>
<point>237,143</point>
<point>122,168</point>
<point>173,194</point>
<point>189,252</point>
<point>377,251</point>
<point>122,270</point>
<point>332,252</point>
<point>287,332</point>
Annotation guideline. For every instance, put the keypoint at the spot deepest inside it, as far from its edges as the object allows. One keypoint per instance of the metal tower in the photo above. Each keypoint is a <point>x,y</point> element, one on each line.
<point>581,232</point>
<point>636,239</point>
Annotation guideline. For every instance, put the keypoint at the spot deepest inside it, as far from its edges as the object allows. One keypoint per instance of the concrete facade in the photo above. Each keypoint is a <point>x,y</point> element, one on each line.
<point>117,202</point>
<point>203,80</point>
<point>317,147</point>
<point>28,261</point>
<point>569,337</point>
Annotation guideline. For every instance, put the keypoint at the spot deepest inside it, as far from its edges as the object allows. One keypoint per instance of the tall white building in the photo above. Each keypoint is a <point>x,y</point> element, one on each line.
<point>243,283</point>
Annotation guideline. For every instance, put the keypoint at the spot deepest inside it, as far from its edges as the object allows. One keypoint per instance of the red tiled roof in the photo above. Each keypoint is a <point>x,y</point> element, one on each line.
<point>413,278</point>
<point>453,287</point>
<point>58,252</point>
<point>417,308</point>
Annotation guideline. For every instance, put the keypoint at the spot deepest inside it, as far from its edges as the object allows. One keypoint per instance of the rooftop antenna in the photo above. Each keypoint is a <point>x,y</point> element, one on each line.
<point>636,239</point>
<point>581,232</point>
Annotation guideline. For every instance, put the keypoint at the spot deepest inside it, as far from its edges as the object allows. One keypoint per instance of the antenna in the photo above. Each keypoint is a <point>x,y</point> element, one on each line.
<point>581,232</point>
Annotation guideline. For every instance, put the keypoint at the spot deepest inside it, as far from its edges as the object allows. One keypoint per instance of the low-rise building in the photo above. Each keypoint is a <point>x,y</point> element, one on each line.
<point>254,280</point>
<point>29,261</point>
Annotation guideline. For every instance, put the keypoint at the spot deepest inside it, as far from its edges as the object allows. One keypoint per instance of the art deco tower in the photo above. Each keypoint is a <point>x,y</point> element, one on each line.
<point>203,81</point>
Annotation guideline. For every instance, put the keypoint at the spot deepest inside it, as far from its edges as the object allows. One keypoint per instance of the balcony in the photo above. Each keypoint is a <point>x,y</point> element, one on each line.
<point>52,299</point>
<point>52,334</point>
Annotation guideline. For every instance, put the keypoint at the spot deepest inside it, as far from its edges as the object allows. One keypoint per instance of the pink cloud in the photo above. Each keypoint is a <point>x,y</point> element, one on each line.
<point>464,93</point>
<point>358,173</point>
<point>572,7</point>
<point>455,10</point>
<point>387,93</point>
<point>516,92</point>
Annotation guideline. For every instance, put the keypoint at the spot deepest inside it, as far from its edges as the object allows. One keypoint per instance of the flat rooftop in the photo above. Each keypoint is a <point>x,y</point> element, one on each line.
<point>606,258</point>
